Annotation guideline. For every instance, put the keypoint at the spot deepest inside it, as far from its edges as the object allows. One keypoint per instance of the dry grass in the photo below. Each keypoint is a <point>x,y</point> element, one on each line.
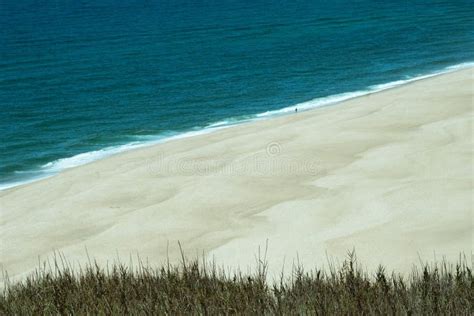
<point>197,288</point>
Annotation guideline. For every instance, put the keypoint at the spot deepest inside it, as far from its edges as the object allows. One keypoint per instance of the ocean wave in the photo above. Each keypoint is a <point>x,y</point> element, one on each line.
<point>393,84</point>
<point>58,165</point>
<point>87,157</point>
<point>232,121</point>
<point>319,102</point>
<point>332,99</point>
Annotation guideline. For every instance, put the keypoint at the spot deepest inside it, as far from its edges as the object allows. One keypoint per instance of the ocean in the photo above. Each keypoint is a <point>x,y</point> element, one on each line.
<point>81,80</point>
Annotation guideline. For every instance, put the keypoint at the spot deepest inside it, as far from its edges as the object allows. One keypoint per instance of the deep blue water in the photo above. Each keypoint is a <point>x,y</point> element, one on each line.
<point>80,76</point>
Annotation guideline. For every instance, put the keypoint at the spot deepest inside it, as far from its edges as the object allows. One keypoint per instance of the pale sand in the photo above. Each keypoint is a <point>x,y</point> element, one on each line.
<point>390,174</point>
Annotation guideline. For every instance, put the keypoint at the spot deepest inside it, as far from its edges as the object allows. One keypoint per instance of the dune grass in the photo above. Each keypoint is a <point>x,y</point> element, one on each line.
<point>200,288</point>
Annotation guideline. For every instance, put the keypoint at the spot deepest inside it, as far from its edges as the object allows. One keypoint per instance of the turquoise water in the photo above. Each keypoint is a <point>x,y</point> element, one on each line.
<point>80,80</point>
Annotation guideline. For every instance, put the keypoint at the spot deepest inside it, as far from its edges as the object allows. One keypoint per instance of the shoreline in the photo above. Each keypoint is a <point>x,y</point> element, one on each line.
<point>52,169</point>
<point>388,174</point>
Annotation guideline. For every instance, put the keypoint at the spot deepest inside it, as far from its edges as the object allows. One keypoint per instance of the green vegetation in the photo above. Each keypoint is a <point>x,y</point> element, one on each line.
<point>199,288</point>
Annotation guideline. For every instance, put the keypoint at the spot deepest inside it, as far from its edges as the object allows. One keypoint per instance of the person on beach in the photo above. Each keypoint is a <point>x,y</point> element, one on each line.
<point>296,110</point>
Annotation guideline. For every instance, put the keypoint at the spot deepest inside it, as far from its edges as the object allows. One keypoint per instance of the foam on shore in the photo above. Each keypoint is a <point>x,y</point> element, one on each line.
<point>56,166</point>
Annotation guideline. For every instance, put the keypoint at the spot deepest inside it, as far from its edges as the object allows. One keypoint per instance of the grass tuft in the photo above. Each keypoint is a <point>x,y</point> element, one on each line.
<point>200,288</point>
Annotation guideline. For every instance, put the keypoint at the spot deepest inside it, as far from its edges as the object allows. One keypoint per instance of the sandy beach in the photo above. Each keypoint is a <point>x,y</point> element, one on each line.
<point>388,174</point>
